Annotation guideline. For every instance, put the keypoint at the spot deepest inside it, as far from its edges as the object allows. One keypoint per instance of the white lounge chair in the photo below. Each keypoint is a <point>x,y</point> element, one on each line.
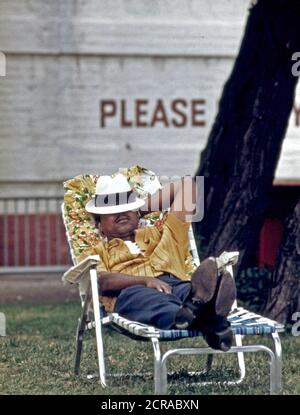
<point>81,234</point>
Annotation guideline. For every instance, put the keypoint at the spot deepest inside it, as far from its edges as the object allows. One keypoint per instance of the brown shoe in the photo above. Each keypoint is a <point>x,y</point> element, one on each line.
<point>204,281</point>
<point>225,295</point>
<point>208,304</point>
<point>218,334</point>
<point>184,318</point>
<point>209,288</point>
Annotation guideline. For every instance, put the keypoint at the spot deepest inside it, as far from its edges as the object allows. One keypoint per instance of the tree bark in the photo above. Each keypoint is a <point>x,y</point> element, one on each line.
<point>284,295</point>
<point>244,145</point>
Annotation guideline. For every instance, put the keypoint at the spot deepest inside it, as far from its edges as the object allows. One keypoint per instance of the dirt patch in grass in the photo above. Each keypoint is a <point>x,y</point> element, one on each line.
<point>35,288</point>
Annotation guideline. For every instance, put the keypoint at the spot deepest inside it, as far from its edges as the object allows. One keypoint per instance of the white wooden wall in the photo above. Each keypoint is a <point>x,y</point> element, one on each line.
<point>65,56</point>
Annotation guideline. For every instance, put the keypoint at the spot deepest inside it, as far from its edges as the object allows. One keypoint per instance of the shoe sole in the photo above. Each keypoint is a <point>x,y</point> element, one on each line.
<point>204,281</point>
<point>226,295</point>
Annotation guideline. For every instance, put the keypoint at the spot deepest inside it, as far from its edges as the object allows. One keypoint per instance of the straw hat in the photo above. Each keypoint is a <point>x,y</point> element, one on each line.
<point>113,195</point>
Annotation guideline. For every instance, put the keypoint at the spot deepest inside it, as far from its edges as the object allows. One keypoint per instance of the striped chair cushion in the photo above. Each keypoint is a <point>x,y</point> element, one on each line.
<point>242,322</point>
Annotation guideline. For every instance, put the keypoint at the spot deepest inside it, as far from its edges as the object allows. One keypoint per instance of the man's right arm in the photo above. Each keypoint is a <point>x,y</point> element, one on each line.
<point>111,283</point>
<point>180,196</point>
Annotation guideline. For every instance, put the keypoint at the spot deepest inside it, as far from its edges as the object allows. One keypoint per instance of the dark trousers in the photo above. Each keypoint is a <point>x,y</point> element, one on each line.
<point>152,307</point>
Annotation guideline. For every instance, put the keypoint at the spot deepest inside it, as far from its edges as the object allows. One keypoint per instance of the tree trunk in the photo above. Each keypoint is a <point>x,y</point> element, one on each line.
<point>244,145</point>
<point>284,296</point>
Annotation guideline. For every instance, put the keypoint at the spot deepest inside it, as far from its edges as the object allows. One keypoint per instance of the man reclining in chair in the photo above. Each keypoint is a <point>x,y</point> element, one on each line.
<point>144,268</point>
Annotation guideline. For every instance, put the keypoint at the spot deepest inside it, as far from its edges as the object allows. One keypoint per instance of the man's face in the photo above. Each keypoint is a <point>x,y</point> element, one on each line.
<point>119,225</point>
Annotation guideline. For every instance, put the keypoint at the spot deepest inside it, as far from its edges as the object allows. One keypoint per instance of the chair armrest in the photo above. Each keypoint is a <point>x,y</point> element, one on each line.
<point>75,274</point>
<point>227,259</point>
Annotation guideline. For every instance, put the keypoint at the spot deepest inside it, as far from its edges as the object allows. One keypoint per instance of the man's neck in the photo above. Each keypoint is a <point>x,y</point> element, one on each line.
<point>127,237</point>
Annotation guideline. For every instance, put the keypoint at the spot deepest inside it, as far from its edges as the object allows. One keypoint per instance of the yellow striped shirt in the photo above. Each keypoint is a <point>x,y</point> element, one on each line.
<point>162,251</point>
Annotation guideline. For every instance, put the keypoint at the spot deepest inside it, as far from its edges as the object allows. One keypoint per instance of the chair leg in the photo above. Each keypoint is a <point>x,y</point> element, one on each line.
<point>160,382</point>
<point>209,362</point>
<point>98,324</point>
<point>277,374</point>
<point>79,341</point>
<point>81,328</point>
<point>241,360</point>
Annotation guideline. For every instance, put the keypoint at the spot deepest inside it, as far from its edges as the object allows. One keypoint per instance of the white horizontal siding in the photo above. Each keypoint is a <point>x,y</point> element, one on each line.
<point>86,37</point>
<point>64,57</point>
<point>123,27</point>
<point>50,114</point>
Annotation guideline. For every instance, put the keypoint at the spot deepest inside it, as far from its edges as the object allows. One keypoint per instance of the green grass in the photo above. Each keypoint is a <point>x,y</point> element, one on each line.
<point>36,357</point>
